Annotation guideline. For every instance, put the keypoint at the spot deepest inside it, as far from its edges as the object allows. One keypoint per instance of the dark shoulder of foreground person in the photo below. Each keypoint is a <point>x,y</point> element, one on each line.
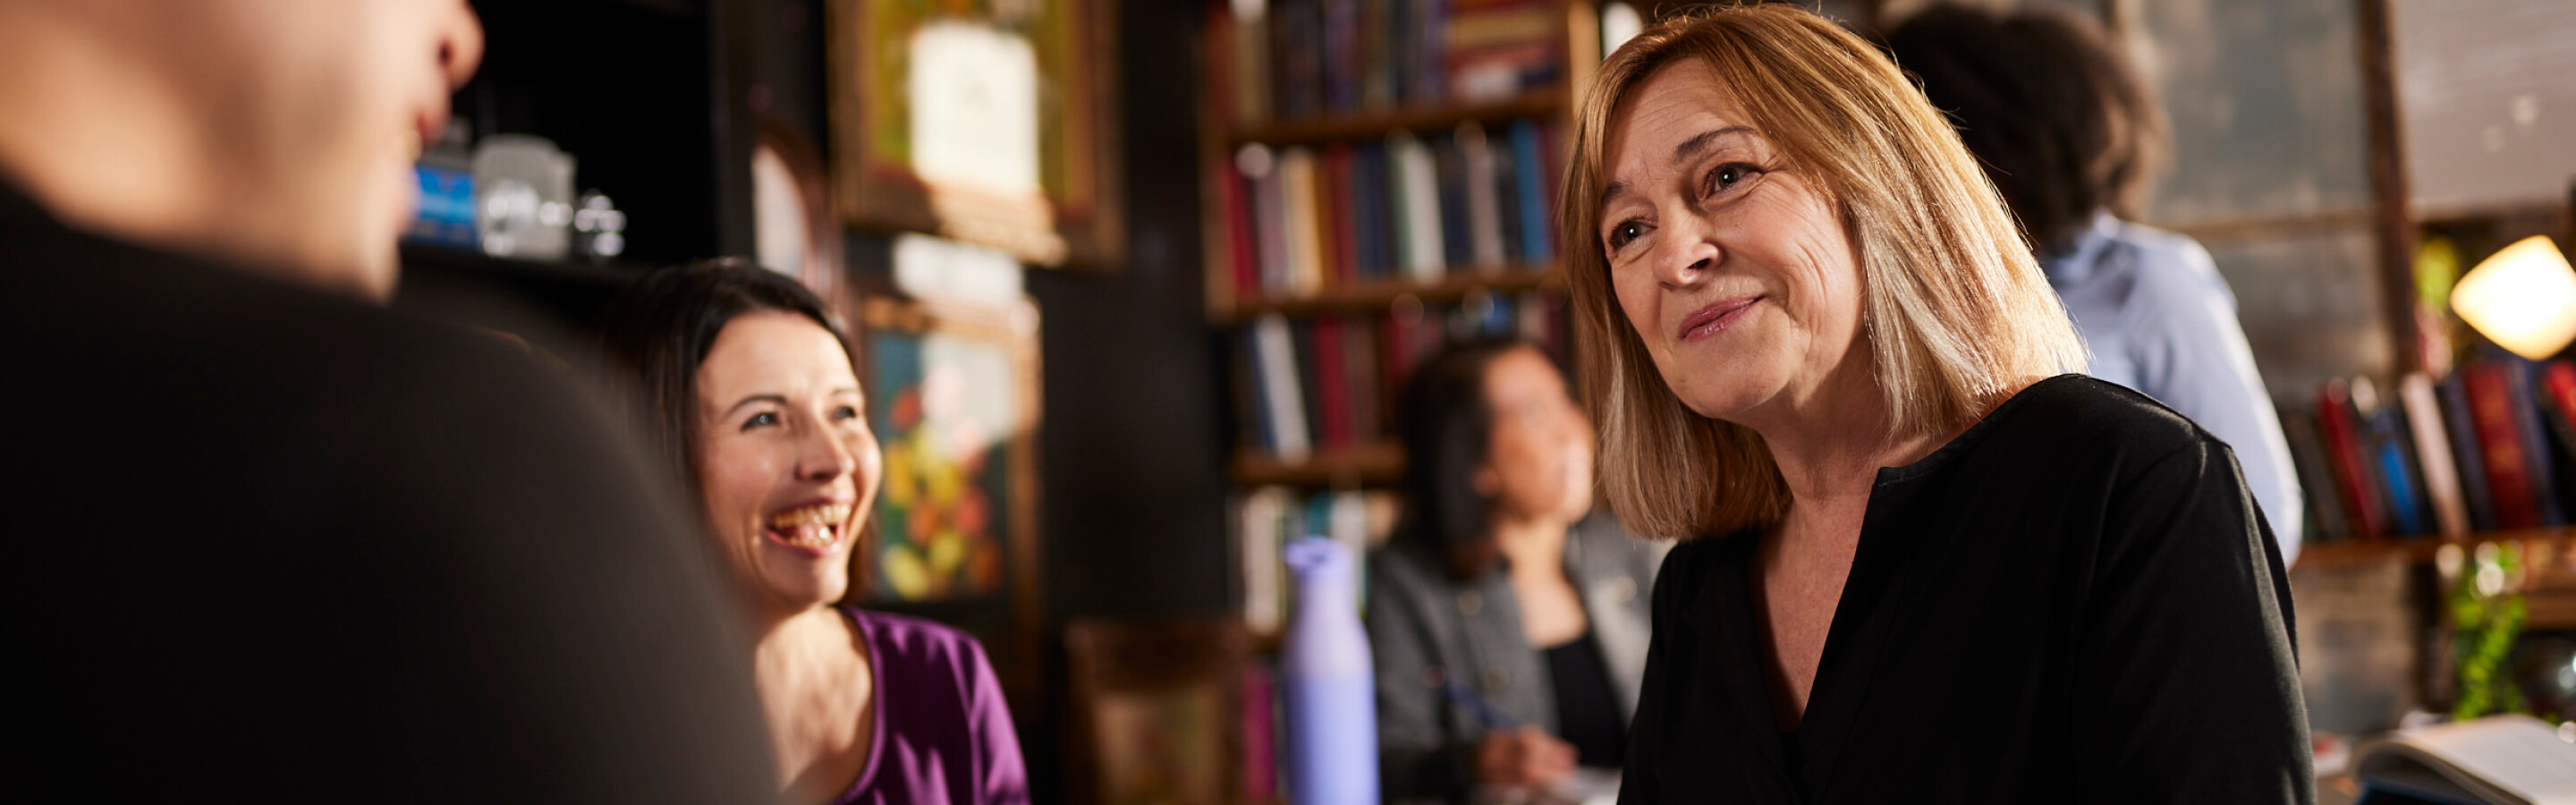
<point>282,544</point>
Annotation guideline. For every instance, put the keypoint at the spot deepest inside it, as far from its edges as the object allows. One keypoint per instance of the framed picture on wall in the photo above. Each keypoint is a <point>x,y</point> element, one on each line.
<point>992,122</point>
<point>952,395</point>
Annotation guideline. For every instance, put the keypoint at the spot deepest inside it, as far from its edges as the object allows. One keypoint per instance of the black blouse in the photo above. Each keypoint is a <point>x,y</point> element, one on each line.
<point>2073,601</point>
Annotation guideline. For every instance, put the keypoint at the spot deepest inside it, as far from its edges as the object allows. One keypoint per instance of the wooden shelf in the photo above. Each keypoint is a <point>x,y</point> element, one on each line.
<point>1372,125</point>
<point>1374,464</point>
<point>1376,296</point>
<point>2423,550</point>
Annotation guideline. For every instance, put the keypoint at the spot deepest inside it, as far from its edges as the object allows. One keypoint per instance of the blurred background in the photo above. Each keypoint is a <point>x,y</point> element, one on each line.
<point>1137,281</point>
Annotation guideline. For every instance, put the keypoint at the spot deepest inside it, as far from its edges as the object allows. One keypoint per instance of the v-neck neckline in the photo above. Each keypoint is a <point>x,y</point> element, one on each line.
<point>1849,660</point>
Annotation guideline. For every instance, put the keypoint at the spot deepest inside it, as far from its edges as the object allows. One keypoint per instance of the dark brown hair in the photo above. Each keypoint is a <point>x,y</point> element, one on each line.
<point>2047,103</point>
<point>1448,426</point>
<point>653,336</point>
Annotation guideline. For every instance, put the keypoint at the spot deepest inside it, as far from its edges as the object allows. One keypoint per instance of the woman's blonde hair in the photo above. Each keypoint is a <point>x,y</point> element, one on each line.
<point>1954,309</point>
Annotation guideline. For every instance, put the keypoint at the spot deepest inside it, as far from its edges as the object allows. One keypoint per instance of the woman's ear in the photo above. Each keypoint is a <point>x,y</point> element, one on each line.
<point>1487,482</point>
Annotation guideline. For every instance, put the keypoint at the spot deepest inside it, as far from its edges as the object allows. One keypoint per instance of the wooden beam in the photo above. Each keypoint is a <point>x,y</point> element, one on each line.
<point>2394,206</point>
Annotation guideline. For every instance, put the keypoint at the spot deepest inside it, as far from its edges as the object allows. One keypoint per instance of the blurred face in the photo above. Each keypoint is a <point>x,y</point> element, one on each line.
<point>1538,464</point>
<point>786,462</point>
<point>316,110</point>
<point>1733,267</point>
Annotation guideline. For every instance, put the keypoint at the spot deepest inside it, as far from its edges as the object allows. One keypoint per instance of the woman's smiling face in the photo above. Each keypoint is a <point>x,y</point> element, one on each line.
<point>787,467</point>
<point>1733,266</point>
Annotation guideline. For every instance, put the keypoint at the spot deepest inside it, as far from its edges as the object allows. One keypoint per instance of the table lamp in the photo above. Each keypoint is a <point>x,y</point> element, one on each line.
<point>2523,298</point>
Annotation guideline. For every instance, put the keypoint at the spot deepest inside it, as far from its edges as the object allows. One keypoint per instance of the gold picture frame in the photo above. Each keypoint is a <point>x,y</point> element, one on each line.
<point>1075,218</point>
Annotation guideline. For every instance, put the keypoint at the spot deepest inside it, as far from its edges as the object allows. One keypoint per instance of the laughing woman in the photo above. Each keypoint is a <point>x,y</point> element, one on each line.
<point>747,394</point>
<point>1920,561</point>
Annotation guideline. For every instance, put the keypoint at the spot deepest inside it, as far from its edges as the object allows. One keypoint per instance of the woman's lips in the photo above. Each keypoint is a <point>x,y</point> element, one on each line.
<point>1708,321</point>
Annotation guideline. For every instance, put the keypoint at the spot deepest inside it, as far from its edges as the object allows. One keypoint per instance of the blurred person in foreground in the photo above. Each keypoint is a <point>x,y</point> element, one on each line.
<point>747,396</point>
<point>273,541</point>
<point>2072,139</point>
<point>1509,626</point>
<point>1919,562</point>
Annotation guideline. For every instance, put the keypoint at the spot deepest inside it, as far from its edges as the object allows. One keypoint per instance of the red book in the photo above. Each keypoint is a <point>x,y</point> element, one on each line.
<point>1260,758</point>
<point>1332,391</point>
<point>1240,250</point>
<point>2344,456</point>
<point>1390,370</point>
<point>2558,384</point>
<point>2500,441</point>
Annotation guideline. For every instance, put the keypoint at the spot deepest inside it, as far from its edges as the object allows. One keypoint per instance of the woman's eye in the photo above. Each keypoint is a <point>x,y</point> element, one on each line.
<point>760,420</point>
<point>1625,233</point>
<point>845,413</point>
<point>1727,176</point>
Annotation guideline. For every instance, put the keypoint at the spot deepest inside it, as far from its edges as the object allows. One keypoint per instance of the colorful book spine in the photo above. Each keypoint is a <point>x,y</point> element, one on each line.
<point>2459,424</point>
<point>1538,230</point>
<point>1483,201</point>
<point>1260,167</point>
<point>2521,388</point>
<point>1416,192</point>
<point>1334,196</point>
<point>2344,455</point>
<point>1304,225</point>
<point>2326,521</point>
<point>1332,394</point>
<point>1282,396</point>
<point>2500,441</point>
<point>2433,453</point>
<point>1243,254</point>
<point>2385,439</point>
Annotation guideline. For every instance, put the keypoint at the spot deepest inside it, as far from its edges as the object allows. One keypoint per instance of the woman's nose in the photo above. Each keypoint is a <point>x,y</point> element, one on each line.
<point>1684,255</point>
<point>826,457</point>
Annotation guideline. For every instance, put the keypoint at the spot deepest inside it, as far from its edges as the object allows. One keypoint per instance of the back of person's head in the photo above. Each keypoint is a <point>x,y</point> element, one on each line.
<point>1447,426</point>
<point>654,336</point>
<point>276,136</point>
<point>2047,102</point>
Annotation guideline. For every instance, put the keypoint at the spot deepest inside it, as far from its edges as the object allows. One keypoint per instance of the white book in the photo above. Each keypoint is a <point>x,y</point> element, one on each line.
<point>1484,208</point>
<point>2433,453</point>
<point>2497,760</point>
<point>1276,353</point>
<point>1420,210</point>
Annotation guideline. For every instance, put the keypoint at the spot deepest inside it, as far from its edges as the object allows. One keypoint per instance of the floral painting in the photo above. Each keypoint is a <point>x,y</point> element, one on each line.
<point>944,408</point>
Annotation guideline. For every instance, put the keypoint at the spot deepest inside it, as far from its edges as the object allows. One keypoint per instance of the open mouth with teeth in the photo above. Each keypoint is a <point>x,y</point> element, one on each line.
<point>816,527</point>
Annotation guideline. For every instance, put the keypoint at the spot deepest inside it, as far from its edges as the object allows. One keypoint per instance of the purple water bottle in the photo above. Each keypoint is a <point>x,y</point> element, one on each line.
<point>1325,670</point>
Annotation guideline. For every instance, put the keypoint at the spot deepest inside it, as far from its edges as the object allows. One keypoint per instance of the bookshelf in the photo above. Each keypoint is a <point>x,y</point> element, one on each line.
<point>1342,88</point>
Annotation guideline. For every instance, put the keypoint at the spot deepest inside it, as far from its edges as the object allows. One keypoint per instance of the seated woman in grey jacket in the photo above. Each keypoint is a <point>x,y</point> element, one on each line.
<point>1509,627</point>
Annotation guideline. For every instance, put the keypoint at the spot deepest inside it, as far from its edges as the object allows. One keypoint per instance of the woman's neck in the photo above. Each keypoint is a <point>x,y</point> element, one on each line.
<point>1535,546</point>
<point>793,651</point>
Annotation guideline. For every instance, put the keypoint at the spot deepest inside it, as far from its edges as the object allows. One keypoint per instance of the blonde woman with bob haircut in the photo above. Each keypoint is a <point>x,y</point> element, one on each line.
<point>1919,560</point>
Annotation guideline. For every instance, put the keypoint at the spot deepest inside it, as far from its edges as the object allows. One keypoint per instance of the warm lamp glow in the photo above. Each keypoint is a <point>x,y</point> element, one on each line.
<point>2523,298</point>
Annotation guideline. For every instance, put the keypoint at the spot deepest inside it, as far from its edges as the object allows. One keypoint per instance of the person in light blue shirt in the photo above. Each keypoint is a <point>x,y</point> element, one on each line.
<point>2071,139</point>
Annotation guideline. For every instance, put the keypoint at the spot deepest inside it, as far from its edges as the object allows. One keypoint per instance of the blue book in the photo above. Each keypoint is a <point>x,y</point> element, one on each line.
<point>1367,205</point>
<point>2400,476</point>
<point>1537,225</point>
<point>1430,67</point>
<point>1507,192</point>
<point>2464,446</point>
<point>1457,241</point>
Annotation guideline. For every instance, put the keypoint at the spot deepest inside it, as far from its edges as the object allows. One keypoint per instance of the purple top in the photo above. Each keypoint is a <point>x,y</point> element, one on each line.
<point>943,733</point>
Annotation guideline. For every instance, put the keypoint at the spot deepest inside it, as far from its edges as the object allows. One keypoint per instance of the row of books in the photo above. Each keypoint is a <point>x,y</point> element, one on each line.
<point>2492,446</point>
<point>1330,382</point>
<point>1265,518</point>
<point>1299,220</point>
<point>1297,59</point>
